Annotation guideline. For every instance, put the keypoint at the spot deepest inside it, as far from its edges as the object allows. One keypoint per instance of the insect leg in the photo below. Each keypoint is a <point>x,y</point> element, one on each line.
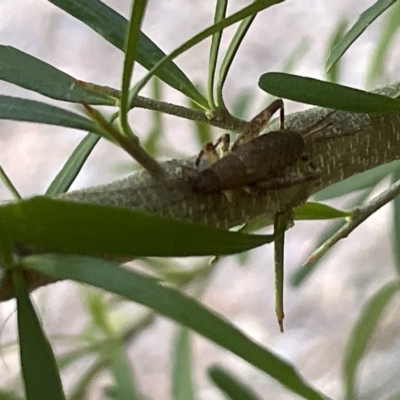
<point>225,140</point>
<point>280,224</point>
<point>210,150</point>
<point>258,123</point>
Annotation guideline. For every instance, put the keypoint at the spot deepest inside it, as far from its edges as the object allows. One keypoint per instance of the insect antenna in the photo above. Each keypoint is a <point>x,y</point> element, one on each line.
<point>258,123</point>
<point>311,131</point>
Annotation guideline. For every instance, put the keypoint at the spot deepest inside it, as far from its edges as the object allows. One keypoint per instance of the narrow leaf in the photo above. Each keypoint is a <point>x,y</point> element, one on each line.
<point>365,19</point>
<point>112,27</point>
<point>312,210</point>
<point>395,237</point>
<point>333,73</point>
<point>388,33</point>
<point>115,231</point>
<point>131,50</point>
<point>124,386</point>
<point>230,55</point>
<point>325,94</point>
<point>73,166</point>
<point>362,333</point>
<point>17,109</point>
<point>182,381</point>
<point>232,387</point>
<point>219,14</point>
<point>245,12</point>
<point>39,367</point>
<point>31,73</point>
<point>8,396</point>
<point>175,305</point>
<point>365,180</point>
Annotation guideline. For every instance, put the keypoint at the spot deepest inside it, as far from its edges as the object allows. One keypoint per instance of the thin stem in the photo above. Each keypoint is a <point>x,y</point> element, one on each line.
<point>130,144</point>
<point>132,147</point>
<point>220,119</point>
<point>358,216</point>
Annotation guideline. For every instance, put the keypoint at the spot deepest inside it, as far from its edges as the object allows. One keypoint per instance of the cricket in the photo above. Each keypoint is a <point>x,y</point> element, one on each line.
<point>255,159</point>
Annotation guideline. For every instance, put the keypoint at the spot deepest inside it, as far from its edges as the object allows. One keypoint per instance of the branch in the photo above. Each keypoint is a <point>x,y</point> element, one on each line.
<point>358,216</point>
<point>348,144</point>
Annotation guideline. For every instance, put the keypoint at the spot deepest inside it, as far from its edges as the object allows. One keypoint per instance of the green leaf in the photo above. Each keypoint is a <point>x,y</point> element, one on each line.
<point>395,237</point>
<point>387,32</point>
<point>39,367</point>
<point>112,27</point>
<point>308,211</point>
<point>230,55</point>
<point>131,52</point>
<point>17,109</point>
<point>312,210</point>
<point>333,74</point>
<point>175,305</point>
<point>150,143</point>
<point>362,332</point>
<point>98,230</point>
<point>31,73</point>
<point>8,396</point>
<point>219,14</point>
<point>245,12</point>
<point>73,166</point>
<point>366,18</point>
<point>365,180</point>
<point>182,381</point>
<point>230,385</point>
<point>124,386</point>
<point>325,94</point>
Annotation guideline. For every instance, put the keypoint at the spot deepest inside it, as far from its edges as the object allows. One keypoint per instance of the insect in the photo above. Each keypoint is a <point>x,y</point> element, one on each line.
<point>253,158</point>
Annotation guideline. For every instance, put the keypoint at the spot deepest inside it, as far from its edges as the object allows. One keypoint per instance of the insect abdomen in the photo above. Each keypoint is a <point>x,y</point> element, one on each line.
<point>270,154</point>
<point>255,161</point>
<point>227,173</point>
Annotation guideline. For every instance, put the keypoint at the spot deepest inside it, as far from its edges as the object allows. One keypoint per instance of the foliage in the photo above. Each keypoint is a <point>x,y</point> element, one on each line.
<point>36,221</point>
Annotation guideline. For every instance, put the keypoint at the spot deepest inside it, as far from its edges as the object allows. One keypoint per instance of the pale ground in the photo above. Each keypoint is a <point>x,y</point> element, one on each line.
<point>321,314</point>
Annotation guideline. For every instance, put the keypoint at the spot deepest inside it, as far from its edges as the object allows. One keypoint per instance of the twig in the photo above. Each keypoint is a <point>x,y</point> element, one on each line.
<point>220,119</point>
<point>359,215</point>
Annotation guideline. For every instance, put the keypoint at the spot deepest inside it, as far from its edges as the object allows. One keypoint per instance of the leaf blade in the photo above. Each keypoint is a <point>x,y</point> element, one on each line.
<point>365,19</point>
<point>66,176</point>
<point>174,305</point>
<point>115,231</point>
<point>112,27</point>
<point>362,332</point>
<point>18,109</point>
<point>182,380</point>
<point>325,94</point>
<point>39,367</point>
<point>29,72</point>
<point>230,385</point>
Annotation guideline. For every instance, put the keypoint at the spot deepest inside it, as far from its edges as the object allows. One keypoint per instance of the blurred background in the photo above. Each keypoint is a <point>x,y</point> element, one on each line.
<point>320,314</point>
